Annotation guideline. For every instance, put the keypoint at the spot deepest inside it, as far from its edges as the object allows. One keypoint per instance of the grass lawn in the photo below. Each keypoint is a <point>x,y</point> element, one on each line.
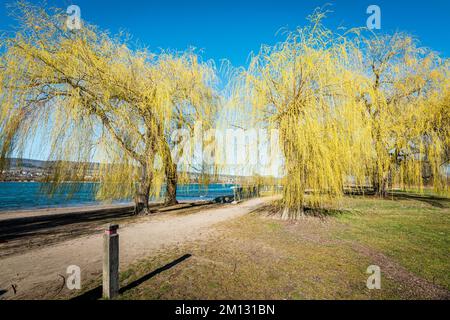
<point>260,257</point>
<point>412,230</point>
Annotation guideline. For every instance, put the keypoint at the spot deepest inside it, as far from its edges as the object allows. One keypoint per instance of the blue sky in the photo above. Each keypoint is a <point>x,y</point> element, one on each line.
<point>232,29</point>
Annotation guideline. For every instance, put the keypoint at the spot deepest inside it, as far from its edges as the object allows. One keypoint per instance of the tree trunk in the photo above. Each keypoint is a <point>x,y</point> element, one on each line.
<point>171,184</point>
<point>375,184</point>
<point>142,197</point>
<point>383,189</point>
<point>141,204</point>
<point>380,184</point>
<point>171,177</point>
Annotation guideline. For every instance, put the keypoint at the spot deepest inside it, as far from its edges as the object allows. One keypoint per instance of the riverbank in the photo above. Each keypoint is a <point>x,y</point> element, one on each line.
<point>41,212</point>
<point>85,209</point>
<point>25,230</point>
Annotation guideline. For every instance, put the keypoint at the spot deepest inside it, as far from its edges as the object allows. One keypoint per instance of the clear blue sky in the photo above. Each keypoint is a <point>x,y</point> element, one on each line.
<point>232,29</point>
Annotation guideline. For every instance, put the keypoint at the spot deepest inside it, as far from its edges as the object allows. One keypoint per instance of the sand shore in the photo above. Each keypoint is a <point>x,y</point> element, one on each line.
<point>28,213</point>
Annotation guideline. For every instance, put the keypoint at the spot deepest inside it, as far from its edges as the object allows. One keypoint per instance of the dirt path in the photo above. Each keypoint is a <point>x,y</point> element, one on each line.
<point>36,274</point>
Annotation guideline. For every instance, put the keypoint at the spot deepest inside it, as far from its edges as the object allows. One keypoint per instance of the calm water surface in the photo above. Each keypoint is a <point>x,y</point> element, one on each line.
<point>29,195</point>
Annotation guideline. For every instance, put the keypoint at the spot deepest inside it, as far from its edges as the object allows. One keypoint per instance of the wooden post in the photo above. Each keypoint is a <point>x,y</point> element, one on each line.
<point>111,262</point>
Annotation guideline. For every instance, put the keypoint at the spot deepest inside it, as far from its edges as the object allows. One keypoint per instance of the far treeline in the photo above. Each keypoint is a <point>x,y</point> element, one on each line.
<point>352,109</point>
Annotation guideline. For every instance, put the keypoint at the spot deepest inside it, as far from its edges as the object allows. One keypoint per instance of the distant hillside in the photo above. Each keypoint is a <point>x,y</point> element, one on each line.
<point>18,169</point>
<point>19,163</point>
<point>16,163</point>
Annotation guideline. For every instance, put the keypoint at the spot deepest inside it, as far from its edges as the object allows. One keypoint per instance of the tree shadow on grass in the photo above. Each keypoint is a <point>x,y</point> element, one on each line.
<point>435,201</point>
<point>96,293</point>
<point>324,212</point>
<point>276,211</point>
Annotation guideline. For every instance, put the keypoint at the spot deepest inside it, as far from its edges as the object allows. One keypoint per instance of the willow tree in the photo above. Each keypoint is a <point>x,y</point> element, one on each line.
<point>304,87</point>
<point>436,134</point>
<point>95,98</point>
<point>403,92</point>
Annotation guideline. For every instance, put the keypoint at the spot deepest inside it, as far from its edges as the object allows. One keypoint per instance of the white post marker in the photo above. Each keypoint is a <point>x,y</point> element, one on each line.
<point>111,262</point>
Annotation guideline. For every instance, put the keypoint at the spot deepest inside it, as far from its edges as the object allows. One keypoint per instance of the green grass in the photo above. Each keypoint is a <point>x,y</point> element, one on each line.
<point>413,231</point>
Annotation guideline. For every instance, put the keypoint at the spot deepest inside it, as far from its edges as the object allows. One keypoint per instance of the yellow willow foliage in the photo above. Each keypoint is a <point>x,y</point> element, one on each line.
<point>97,99</point>
<point>305,88</point>
<point>435,126</point>
<point>406,97</point>
<point>351,111</point>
